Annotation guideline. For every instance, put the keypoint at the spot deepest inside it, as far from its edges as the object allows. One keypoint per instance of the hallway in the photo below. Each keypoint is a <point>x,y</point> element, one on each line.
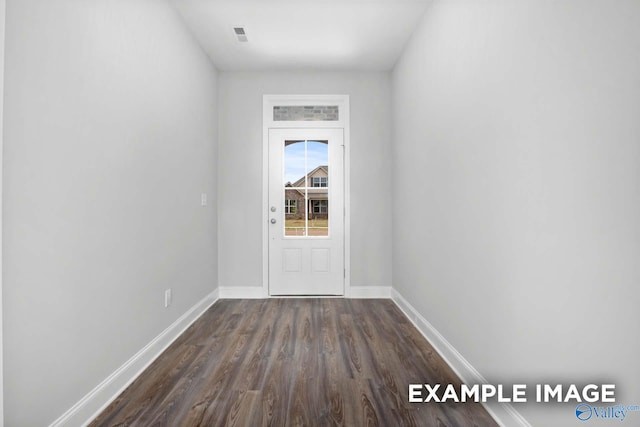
<point>490,176</point>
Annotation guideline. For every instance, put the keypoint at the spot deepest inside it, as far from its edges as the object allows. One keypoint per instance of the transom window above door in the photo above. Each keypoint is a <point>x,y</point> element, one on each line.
<point>298,113</point>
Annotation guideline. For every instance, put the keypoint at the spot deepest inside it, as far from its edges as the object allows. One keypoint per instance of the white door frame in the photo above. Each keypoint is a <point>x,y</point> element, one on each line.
<point>270,101</point>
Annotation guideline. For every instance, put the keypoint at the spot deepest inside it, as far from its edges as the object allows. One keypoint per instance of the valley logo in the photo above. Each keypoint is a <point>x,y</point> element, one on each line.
<point>586,412</point>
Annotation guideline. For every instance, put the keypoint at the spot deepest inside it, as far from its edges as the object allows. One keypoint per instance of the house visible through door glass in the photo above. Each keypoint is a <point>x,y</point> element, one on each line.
<point>306,188</point>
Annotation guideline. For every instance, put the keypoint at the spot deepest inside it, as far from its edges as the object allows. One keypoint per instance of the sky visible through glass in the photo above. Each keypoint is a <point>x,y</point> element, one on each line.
<point>317,155</point>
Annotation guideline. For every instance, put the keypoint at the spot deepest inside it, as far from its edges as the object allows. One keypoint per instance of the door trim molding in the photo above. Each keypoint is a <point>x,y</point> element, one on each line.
<point>270,101</point>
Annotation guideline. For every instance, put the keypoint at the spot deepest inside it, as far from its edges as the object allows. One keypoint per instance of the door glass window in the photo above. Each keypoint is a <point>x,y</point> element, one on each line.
<point>306,188</point>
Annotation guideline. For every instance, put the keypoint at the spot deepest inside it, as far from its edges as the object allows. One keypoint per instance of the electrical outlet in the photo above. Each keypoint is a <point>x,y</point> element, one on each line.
<point>167,298</point>
<point>203,199</point>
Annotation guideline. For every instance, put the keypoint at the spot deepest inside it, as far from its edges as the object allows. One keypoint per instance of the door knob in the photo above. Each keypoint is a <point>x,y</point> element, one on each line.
<point>273,220</point>
<point>273,208</point>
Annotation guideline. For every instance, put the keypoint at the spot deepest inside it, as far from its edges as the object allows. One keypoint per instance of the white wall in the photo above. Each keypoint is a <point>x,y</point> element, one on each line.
<point>110,137</point>
<point>2,24</point>
<point>240,172</point>
<point>519,121</point>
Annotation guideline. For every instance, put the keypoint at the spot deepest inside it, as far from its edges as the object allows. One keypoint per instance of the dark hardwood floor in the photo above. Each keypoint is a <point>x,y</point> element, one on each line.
<point>293,362</point>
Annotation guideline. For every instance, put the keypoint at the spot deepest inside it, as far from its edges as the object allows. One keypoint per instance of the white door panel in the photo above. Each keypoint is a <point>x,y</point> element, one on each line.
<point>306,212</point>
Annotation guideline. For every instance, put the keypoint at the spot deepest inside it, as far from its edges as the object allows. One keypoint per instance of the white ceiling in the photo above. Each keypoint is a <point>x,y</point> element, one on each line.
<point>303,34</point>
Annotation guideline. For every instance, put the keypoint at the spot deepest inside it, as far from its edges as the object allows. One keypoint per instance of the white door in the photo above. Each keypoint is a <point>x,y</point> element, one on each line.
<point>306,212</point>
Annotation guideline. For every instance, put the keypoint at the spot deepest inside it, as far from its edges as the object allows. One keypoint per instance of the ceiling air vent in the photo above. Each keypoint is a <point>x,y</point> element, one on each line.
<point>240,34</point>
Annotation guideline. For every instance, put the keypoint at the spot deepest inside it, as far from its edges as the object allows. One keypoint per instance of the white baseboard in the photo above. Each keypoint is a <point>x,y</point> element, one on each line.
<point>242,292</point>
<point>369,292</point>
<point>504,413</point>
<point>90,406</point>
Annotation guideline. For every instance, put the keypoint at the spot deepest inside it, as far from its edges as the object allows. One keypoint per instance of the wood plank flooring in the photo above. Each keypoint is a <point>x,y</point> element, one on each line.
<point>293,362</point>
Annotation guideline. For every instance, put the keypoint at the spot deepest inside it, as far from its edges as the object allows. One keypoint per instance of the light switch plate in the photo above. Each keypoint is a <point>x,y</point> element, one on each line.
<point>167,298</point>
